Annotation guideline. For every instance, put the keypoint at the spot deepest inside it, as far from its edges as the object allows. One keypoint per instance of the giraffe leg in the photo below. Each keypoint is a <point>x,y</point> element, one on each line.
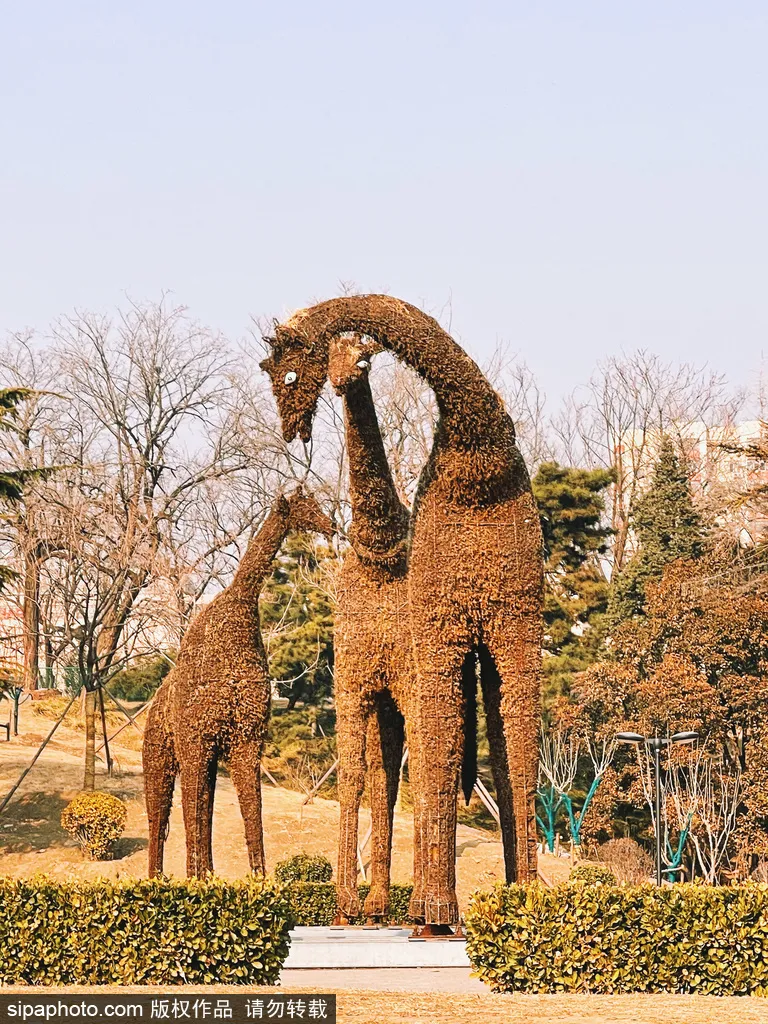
<point>245,772</point>
<point>384,752</point>
<point>515,646</point>
<point>198,780</point>
<point>160,770</point>
<point>351,726</point>
<point>439,718</point>
<point>416,905</point>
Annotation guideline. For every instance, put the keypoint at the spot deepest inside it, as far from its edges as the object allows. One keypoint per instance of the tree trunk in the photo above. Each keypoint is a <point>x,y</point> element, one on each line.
<point>89,707</point>
<point>49,662</point>
<point>31,611</point>
<point>104,728</point>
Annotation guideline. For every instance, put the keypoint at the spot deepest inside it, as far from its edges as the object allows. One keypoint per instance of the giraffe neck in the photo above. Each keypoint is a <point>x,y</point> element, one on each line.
<point>379,518</point>
<point>472,414</point>
<point>256,564</point>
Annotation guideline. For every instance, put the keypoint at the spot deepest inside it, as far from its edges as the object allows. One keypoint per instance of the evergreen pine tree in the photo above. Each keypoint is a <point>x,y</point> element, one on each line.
<point>667,527</point>
<point>296,612</point>
<point>572,507</point>
<point>140,680</point>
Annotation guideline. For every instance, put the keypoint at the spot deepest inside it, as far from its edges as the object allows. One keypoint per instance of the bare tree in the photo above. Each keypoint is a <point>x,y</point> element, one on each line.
<point>717,795</point>
<point>560,751</point>
<point>618,419</point>
<point>677,802</point>
<point>36,443</point>
<point>160,483</point>
<point>526,403</point>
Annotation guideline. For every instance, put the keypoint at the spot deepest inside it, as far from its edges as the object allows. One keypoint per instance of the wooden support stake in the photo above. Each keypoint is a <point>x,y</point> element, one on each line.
<point>124,710</point>
<point>490,804</point>
<point>131,721</point>
<point>105,744</point>
<point>316,787</point>
<point>40,749</point>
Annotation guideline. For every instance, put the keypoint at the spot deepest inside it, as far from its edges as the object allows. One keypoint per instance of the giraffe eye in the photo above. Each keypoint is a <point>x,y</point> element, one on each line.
<point>291,377</point>
<point>363,364</point>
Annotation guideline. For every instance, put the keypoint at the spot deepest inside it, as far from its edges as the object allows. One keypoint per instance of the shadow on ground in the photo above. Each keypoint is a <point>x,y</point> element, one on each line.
<point>31,823</point>
<point>127,846</point>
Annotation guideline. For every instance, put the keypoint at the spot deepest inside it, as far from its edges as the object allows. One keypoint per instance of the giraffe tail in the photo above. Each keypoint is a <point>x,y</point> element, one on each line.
<point>469,759</point>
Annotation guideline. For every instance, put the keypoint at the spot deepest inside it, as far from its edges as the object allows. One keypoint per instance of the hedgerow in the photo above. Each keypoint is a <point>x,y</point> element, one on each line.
<point>157,932</point>
<point>613,939</point>
<point>315,903</point>
<point>304,867</point>
<point>591,874</point>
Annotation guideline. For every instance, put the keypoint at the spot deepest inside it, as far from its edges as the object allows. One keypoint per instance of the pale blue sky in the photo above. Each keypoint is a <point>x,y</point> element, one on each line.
<point>576,177</point>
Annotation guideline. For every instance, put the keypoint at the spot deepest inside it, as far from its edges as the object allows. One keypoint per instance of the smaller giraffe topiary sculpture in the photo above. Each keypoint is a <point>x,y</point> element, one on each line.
<point>214,704</point>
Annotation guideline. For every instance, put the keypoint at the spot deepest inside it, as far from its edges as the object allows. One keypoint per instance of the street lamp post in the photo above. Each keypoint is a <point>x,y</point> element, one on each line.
<point>657,744</point>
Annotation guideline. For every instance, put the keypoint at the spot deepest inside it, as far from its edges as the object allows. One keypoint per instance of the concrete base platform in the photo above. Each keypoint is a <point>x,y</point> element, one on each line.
<point>385,979</point>
<point>317,947</point>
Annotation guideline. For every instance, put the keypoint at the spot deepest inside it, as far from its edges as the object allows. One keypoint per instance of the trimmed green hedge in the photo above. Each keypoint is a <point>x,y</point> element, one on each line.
<point>304,867</point>
<point>315,902</point>
<point>154,932</point>
<point>612,939</point>
<point>591,874</point>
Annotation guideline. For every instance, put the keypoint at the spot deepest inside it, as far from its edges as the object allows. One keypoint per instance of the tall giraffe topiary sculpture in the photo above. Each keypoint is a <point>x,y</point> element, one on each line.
<point>474,578</point>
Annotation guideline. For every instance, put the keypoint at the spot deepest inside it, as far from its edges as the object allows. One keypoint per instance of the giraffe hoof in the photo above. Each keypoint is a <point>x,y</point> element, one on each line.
<point>377,903</point>
<point>436,931</point>
<point>348,902</point>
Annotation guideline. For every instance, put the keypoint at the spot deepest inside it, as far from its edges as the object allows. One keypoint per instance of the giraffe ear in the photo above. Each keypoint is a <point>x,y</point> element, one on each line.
<point>267,364</point>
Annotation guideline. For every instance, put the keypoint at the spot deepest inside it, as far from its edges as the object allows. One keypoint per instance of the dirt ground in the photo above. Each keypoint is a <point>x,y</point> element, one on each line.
<point>388,1007</point>
<point>32,840</point>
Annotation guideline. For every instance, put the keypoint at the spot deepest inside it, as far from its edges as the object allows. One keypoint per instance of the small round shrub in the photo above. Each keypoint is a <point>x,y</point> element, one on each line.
<point>627,860</point>
<point>96,820</point>
<point>592,874</point>
<point>304,867</point>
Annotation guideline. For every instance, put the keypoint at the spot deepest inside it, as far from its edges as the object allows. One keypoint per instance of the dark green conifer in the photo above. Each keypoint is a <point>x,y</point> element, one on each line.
<point>13,480</point>
<point>297,621</point>
<point>572,507</point>
<point>666,526</point>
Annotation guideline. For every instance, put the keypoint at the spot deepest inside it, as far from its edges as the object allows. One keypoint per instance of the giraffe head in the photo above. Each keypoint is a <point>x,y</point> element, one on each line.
<point>349,360</point>
<point>298,367</point>
<point>306,516</point>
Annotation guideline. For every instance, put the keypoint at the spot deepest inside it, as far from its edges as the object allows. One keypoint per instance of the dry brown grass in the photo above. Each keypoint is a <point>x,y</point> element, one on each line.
<point>366,1007</point>
<point>32,840</point>
<point>448,1008</point>
<point>46,712</point>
